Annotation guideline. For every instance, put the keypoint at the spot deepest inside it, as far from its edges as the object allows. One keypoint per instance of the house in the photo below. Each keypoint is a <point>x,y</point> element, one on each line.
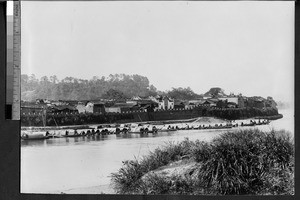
<point>81,108</point>
<point>124,107</point>
<point>179,104</point>
<point>58,103</point>
<point>91,107</point>
<point>42,101</point>
<point>231,105</point>
<point>147,104</point>
<point>62,109</point>
<point>113,109</point>
<point>168,103</point>
<point>32,109</point>
<point>164,103</point>
<point>238,100</point>
<point>98,107</point>
<point>197,101</point>
<point>189,105</point>
<point>209,103</point>
<point>255,102</point>
<point>229,99</point>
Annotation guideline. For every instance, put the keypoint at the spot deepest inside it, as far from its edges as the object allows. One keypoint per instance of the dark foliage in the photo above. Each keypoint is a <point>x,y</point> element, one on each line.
<point>69,88</point>
<point>245,162</point>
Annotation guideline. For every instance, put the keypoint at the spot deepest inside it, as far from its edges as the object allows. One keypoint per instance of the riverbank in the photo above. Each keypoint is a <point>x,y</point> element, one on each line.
<point>232,163</point>
<point>101,189</point>
<point>112,124</point>
<point>202,120</point>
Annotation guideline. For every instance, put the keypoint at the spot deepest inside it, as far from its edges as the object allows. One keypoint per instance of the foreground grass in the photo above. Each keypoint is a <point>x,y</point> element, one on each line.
<point>240,162</point>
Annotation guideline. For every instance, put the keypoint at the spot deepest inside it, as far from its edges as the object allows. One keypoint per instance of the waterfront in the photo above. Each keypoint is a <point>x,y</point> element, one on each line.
<point>75,165</point>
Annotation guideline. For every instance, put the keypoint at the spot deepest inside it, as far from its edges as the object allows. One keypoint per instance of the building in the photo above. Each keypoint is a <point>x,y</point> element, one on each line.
<point>164,103</point>
<point>113,109</point>
<point>168,103</point>
<point>179,104</point>
<point>62,109</point>
<point>271,103</point>
<point>189,105</point>
<point>238,100</point>
<point>91,107</point>
<point>255,102</point>
<point>209,103</point>
<point>32,109</point>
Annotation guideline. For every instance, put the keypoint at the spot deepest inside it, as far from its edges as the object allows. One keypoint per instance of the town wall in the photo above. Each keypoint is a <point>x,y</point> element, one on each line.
<point>63,119</point>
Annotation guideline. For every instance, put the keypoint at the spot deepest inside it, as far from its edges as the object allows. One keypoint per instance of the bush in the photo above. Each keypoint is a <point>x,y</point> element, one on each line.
<point>241,162</point>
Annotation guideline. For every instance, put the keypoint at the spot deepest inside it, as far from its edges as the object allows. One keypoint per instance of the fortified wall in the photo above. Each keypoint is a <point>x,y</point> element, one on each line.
<point>64,119</point>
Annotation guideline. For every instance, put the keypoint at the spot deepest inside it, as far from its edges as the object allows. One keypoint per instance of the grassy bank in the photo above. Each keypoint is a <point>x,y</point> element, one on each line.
<point>241,162</point>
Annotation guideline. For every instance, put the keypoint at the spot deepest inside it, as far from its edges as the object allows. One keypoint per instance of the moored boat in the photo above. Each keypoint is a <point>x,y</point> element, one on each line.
<point>36,135</point>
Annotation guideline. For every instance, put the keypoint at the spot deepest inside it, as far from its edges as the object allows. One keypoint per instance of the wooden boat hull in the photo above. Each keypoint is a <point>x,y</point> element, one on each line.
<point>34,137</point>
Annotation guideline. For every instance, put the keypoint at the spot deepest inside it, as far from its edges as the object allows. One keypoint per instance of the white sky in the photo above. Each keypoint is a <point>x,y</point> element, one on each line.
<point>245,47</point>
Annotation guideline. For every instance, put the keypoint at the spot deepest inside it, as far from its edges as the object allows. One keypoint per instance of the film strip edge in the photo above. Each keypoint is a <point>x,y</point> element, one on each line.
<point>16,60</point>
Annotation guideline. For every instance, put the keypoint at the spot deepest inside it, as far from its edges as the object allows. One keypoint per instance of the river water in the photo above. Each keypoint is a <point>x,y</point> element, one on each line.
<point>75,165</point>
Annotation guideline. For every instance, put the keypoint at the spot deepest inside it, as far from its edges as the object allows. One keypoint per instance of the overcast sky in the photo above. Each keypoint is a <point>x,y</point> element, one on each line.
<point>245,47</point>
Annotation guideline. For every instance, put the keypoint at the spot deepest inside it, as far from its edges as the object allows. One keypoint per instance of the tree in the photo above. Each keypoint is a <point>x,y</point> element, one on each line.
<point>183,93</point>
<point>53,79</point>
<point>114,95</point>
<point>215,92</point>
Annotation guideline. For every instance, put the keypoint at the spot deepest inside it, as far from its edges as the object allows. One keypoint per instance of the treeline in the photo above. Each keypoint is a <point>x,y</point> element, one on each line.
<point>117,86</point>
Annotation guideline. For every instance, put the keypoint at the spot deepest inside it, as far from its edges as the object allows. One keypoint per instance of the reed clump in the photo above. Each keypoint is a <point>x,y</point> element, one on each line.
<point>245,162</point>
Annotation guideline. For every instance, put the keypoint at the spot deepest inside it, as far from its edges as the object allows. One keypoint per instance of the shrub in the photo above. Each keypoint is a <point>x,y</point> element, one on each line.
<point>241,162</point>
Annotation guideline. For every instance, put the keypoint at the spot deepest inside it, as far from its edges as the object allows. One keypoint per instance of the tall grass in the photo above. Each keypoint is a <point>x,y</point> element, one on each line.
<point>127,179</point>
<point>240,162</point>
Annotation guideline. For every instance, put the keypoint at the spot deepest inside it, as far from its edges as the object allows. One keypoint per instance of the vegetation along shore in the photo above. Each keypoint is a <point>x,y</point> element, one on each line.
<point>246,162</point>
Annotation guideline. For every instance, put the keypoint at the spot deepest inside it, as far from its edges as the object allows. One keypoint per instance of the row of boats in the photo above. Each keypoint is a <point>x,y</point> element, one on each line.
<point>128,129</point>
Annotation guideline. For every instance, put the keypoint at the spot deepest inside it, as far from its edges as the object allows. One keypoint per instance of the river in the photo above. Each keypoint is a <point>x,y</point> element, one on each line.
<point>84,165</point>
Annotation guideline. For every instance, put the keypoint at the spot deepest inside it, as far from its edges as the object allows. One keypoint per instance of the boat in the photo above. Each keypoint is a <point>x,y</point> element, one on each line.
<point>37,135</point>
<point>250,124</point>
<point>71,133</point>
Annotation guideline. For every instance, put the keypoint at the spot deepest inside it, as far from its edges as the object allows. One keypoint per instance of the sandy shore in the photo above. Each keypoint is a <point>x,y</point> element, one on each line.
<point>101,189</point>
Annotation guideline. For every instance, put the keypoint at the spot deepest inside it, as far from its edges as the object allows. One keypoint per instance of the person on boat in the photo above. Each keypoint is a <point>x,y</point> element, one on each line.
<point>88,132</point>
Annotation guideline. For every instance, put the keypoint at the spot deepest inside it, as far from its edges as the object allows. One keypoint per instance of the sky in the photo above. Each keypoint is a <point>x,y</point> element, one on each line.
<point>242,47</point>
